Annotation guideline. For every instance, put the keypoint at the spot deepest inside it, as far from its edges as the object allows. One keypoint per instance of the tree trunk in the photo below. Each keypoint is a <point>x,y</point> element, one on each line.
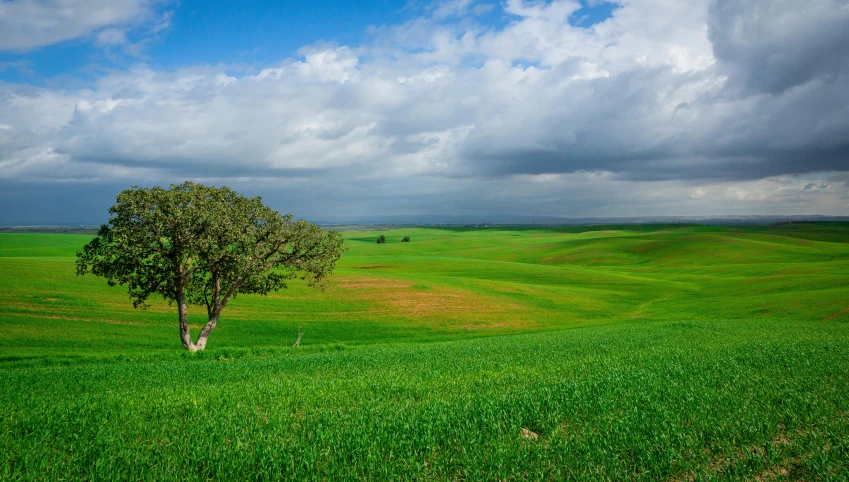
<point>204,333</point>
<point>182,309</point>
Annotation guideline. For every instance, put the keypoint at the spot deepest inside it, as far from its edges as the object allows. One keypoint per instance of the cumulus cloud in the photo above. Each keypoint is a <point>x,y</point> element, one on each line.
<point>667,106</point>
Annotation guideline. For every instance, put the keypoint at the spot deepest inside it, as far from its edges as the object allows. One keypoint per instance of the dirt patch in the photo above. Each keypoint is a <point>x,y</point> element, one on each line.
<point>364,283</point>
<point>444,303</point>
<point>720,464</point>
<point>390,296</point>
<point>772,474</point>
<point>782,470</point>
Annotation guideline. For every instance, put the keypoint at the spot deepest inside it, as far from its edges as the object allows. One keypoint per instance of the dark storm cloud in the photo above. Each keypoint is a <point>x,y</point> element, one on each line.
<point>771,46</point>
<point>39,203</point>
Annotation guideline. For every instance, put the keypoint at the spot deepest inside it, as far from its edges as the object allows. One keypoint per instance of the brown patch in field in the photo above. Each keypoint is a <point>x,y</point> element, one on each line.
<point>52,317</point>
<point>782,470</point>
<point>400,297</point>
<point>51,299</point>
<point>719,465</point>
<point>364,283</point>
<point>440,302</point>
<point>772,474</point>
<point>563,257</point>
<point>841,312</point>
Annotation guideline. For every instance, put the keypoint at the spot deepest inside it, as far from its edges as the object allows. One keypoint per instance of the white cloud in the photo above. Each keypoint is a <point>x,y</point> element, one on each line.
<point>28,24</point>
<point>632,114</point>
<point>111,36</point>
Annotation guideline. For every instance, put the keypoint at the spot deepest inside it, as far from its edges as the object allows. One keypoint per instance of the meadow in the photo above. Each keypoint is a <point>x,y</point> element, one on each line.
<point>663,352</point>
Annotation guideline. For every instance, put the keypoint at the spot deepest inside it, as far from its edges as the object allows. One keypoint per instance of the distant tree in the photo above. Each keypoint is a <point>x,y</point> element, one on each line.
<point>381,239</point>
<point>195,244</point>
<point>406,239</point>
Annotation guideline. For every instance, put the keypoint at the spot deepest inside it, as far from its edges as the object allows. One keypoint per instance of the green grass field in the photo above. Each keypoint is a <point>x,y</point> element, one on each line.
<point>630,352</point>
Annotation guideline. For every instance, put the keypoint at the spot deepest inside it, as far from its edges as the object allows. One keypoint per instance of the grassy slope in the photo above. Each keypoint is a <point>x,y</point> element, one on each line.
<point>644,401</point>
<point>448,284</point>
<point>706,353</point>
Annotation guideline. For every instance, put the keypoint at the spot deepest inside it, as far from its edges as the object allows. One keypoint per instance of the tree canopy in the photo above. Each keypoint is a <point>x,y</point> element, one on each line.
<point>196,244</point>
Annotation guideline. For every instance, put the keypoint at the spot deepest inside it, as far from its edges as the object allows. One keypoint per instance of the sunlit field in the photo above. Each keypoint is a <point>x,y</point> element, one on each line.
<point>672,352</point>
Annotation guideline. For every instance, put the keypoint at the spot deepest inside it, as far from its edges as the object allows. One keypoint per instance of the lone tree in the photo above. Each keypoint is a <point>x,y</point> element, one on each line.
<point>196,244</point>
<point>381,239</point>
<point>405,239</point>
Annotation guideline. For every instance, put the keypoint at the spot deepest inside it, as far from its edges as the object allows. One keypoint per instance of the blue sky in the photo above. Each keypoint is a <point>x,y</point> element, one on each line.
<point>340,110</point>
<point>240,35</point>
